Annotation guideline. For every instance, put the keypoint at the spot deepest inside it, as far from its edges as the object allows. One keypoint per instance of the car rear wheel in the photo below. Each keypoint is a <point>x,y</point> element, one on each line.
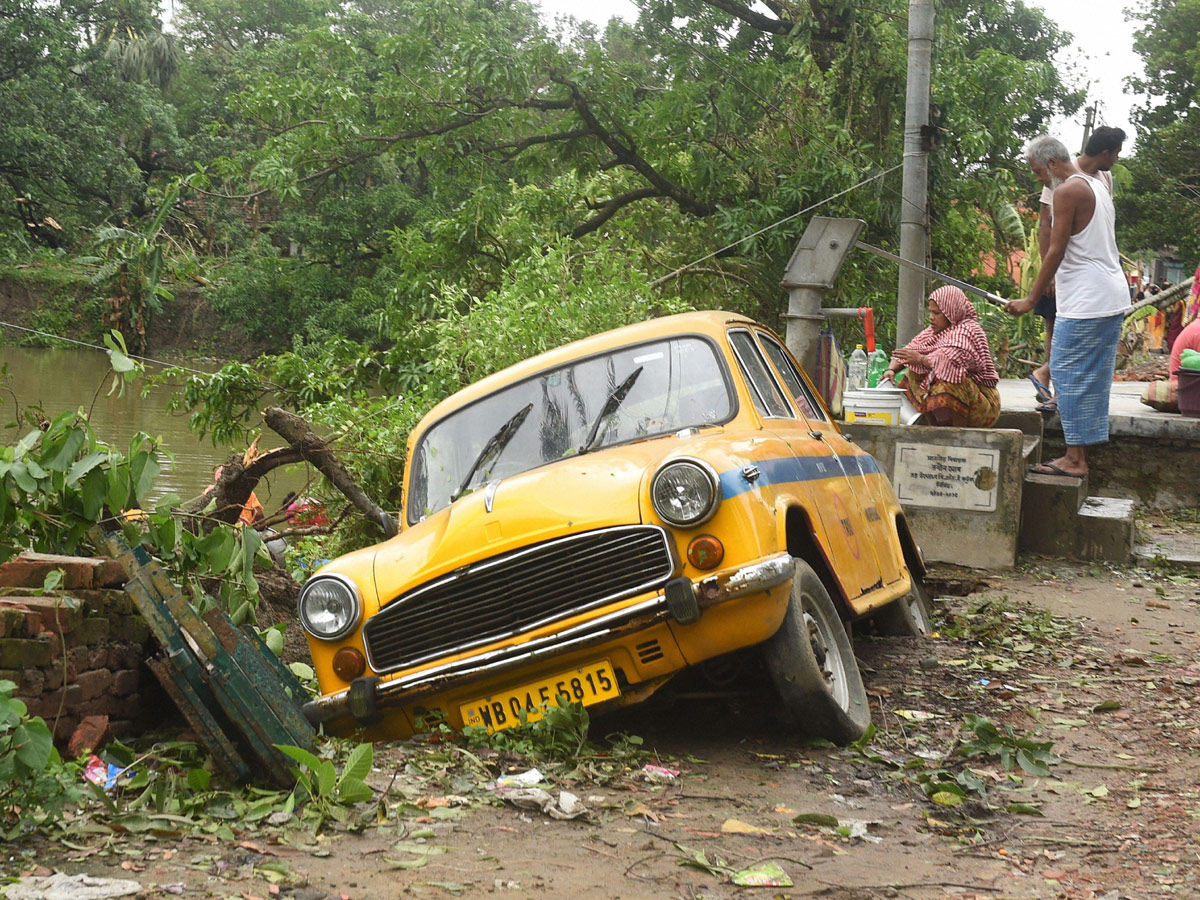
<point>910,616</point>
<point>811,662</point>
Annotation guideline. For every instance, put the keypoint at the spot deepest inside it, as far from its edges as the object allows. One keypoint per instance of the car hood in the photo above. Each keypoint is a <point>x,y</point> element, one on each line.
<point>577,494</point>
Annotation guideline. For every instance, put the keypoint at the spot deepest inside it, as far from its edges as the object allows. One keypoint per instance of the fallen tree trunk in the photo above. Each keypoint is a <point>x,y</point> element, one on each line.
<point>241,474</point>
<point>312,449</point>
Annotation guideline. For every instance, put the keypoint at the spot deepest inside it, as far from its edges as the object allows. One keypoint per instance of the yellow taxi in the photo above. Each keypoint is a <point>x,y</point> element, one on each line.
<point>591,521</point>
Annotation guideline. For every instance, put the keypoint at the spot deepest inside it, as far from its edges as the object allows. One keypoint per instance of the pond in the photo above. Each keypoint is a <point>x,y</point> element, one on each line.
<point>61,380</point>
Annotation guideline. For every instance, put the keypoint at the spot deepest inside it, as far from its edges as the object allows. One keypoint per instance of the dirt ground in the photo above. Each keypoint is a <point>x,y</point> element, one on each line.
<point>1109,678</point>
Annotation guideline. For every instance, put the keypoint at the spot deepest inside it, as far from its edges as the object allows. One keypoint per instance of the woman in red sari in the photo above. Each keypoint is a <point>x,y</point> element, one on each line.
<point>947,370</point>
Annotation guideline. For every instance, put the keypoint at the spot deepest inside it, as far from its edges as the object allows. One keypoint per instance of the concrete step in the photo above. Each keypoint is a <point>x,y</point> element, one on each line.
<point>1031,451</point>
<point>1173,549</point>
<point>1106,530</point>
<point>1050,514</point>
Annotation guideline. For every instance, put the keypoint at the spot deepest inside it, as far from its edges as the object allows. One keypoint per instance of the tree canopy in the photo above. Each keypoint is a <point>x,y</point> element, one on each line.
<point>402,196</point>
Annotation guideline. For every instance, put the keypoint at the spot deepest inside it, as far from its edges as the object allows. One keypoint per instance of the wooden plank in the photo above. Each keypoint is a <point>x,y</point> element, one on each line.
<point>184,691</point>
<point>279,687</point>
<point>235,693</point>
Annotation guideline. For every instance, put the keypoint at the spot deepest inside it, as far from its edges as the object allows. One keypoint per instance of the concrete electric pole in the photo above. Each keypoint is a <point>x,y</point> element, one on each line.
<point>914,220</point>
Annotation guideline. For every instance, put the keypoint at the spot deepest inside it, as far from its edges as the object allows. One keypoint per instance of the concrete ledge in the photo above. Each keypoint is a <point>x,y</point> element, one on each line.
<point>1106,530</point>
<point>1050,514</point>
<point>960,487</point>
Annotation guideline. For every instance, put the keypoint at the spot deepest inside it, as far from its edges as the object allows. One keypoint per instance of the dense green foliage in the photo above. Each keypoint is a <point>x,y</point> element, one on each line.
<point>401,197</point>
<point>1163,209</point>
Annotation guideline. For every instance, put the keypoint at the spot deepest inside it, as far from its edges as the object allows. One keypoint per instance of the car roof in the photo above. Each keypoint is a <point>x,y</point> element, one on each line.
<point>706,322</point>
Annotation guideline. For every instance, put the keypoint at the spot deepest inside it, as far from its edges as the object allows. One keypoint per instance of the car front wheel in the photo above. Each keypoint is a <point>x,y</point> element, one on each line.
<point>811,662</point>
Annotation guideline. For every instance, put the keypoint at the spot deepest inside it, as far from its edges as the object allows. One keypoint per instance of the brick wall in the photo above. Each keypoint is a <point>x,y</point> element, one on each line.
<point>79,652</point>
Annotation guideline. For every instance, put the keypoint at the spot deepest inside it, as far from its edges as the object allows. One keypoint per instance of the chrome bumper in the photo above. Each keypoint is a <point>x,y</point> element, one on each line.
<point>752,579</point>
<point>364,697</point>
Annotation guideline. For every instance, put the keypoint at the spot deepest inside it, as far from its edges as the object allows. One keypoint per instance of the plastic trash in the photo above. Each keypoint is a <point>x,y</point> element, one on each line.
<point>659,775</point>
<point>525,779</point>
<point>856,369</point>
<point>565,806</point>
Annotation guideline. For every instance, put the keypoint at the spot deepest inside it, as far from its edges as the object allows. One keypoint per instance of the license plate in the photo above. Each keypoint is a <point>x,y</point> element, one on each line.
<point>587,685</point>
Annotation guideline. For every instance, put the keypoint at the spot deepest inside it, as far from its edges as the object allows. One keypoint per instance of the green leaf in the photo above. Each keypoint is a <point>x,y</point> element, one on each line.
<point>353,791</point>
<point>326,778</point>
<point>300,755</point>
<point>60,457</point>
<point>33,744</point>
<point>217,547</point>
<point>947,798</point>
<point>120,362</point>
<point>85,466</point>
<point>143,469</point>
<point>358,763</point>
<point>93,493</point>
<point>20,474</point>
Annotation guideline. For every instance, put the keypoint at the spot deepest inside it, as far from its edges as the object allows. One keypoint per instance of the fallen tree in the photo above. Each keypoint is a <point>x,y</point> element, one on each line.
<point>239,477</point>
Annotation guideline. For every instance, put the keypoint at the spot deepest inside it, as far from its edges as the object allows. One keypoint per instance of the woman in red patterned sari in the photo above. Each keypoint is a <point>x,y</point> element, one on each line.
<point>947,370</point>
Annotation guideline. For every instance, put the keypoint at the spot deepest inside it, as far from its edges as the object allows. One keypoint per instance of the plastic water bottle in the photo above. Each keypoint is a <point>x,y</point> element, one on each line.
<point>856,370</point>
<point>877,364</point>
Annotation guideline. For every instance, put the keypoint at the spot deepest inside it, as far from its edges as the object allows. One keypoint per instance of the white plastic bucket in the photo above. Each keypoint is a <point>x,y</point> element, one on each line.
<point>879,406</point>
<point>871,407</point>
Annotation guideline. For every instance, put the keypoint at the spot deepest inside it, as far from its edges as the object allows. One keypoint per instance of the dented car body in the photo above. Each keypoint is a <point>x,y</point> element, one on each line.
<point>590,522</point>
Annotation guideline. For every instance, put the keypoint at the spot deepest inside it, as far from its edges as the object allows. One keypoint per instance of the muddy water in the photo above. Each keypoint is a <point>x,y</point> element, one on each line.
<point>59,380</point>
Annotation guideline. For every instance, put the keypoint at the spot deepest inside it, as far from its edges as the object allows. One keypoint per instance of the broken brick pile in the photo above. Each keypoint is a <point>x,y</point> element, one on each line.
<point>76,655</point>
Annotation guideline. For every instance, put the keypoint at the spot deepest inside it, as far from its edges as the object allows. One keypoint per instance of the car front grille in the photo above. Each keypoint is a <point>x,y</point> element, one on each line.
<point>516,592</point>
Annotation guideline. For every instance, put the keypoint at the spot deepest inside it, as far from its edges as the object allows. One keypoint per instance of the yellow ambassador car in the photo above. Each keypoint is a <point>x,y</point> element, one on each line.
<point>589,522</point>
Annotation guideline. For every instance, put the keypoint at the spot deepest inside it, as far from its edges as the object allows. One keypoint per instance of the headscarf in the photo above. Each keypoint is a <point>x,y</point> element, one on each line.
<point>959,351</point>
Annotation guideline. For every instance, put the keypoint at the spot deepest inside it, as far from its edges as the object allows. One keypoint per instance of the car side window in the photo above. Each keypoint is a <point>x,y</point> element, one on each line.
<point>768,398</point>
<point>792,378</point>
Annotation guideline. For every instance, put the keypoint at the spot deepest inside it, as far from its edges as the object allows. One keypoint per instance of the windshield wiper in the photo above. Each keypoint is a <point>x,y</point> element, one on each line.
<point>615,399</point>
<point>494,446</point>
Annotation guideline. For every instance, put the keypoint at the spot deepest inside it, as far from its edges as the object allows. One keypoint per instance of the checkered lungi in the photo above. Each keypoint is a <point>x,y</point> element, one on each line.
<point>1083,354</point>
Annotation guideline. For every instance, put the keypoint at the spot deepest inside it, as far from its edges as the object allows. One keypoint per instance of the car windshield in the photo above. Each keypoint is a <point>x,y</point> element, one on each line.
<point>682,383</point>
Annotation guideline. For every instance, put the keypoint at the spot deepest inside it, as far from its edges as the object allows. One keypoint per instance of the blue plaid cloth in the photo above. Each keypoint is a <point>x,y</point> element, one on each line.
<point>1083,354</point>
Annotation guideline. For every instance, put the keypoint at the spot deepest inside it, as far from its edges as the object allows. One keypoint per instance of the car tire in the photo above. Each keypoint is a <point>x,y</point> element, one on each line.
<point>910,616</point>
<point>811,661</point>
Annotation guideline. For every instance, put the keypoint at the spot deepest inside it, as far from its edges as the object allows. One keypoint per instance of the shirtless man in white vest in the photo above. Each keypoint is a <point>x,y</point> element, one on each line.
<point>1098,157</point>
<point>1092,300</point>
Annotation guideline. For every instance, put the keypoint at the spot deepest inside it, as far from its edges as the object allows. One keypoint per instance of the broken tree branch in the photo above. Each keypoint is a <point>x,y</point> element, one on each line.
<point>313,450</point>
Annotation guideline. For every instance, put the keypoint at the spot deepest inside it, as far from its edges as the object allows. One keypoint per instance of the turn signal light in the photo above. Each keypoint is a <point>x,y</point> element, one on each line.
<point>349,663</point>
<point>705,552</point>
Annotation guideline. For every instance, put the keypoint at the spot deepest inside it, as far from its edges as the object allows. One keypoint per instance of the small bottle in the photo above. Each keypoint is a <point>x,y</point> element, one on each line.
<point>856,370</point>
<point>877,364</point>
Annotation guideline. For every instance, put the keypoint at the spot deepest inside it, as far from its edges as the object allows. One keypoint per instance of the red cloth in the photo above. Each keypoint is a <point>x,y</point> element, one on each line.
<point>958,352</point>
<point>1189,339</point>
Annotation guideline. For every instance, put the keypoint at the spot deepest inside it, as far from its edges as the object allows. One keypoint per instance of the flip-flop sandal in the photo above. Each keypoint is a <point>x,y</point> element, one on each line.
<point>1050,406</point>
<point>1044,394</point>
<point>1054,470</point>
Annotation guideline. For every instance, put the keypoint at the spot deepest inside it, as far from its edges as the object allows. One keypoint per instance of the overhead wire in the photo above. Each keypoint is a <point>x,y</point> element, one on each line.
<point>767,228</point>
<point>91,346</point>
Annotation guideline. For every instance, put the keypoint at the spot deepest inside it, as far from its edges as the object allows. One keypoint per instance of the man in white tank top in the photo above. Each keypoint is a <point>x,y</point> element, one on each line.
<point>1098,157</point>
<point>1092,299</point>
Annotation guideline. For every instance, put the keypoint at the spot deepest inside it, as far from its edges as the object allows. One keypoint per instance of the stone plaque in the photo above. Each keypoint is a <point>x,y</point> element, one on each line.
<point>955,477</point>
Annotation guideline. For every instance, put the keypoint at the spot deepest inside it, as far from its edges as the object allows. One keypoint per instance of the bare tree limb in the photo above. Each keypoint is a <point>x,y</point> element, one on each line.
<point>623,147</point>
<point>610,207</point>
<point>312,449</point>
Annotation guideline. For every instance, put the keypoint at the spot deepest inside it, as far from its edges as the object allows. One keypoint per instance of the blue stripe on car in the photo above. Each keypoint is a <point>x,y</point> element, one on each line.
<point>796,468</point>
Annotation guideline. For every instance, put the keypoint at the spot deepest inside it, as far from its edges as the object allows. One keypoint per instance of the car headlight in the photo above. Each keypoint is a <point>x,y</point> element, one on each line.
<point>685,492</point>
<point>329,606</point>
